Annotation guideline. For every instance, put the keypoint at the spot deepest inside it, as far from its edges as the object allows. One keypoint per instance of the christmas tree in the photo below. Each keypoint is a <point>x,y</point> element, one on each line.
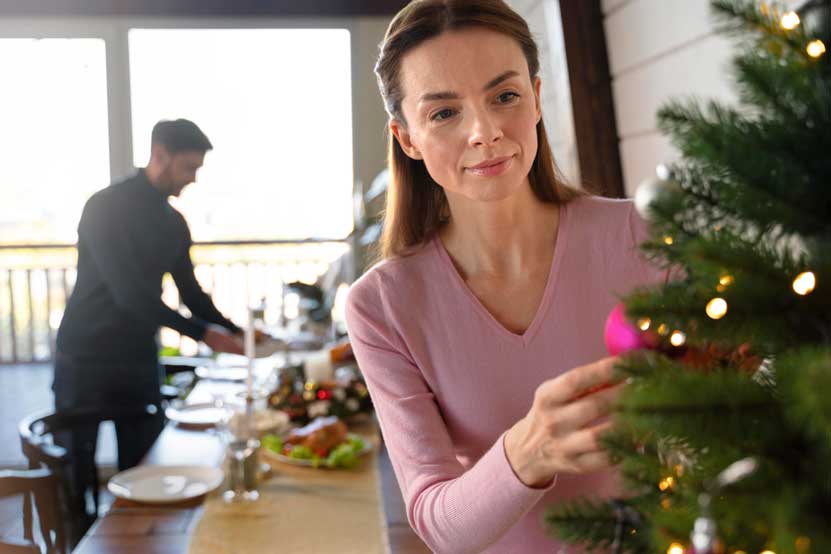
<point>723,433</point>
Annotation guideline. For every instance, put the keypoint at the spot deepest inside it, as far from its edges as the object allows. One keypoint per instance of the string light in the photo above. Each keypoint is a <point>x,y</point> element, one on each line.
<point>804,283</point>
<point>815,48</point>
<point>726,280</point>
<point>677,338</point>
<point>679,470</point>
<point>644,323</point>
<point>739,552</point>
<point>663,329</point>
<point>716,308</point>
<point>668,239</point>
<point>767,552</point>
<point>789,21</point>
<point>675,548</point>
<point>666,483</point>
<point>803,545</point>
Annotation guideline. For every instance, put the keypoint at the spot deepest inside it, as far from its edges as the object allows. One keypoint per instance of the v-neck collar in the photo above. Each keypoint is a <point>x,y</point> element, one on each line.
<point>526,337</point>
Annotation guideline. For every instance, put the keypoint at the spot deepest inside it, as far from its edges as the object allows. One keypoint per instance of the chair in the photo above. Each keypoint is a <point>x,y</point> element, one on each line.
<point>37,442</point>
<point>40,485</point>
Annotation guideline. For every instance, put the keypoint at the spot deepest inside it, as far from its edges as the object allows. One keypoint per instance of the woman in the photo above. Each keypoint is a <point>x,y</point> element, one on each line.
<point>480,333</point>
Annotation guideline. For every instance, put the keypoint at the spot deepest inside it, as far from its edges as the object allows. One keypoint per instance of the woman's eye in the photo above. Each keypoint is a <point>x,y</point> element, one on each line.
<point>442,114</point>
<point>507,97</point>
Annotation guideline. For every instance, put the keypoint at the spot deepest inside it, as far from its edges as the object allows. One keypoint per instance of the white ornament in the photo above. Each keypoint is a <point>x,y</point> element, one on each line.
<point>654,188</point>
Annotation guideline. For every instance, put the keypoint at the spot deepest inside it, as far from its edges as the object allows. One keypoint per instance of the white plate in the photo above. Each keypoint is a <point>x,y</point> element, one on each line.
<point>308,463</point>
<point>200,416</point>
<point>165,484</point>
<point>222,373</point>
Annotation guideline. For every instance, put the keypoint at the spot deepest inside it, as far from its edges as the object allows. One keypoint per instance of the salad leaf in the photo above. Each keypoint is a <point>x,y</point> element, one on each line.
<point>273,443</point>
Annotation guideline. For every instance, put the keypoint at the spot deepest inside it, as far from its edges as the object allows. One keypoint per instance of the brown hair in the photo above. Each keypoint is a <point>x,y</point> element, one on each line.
<point>416,206</point>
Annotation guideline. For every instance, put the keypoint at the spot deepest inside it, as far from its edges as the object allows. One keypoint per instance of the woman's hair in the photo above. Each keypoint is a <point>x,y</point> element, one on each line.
<point>416,206</point>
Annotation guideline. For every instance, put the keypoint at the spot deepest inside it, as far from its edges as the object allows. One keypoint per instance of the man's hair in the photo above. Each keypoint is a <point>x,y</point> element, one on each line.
<point>180,135</point>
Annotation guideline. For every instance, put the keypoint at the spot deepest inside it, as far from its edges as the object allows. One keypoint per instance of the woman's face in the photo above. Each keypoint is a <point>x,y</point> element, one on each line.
<point>471,111</point>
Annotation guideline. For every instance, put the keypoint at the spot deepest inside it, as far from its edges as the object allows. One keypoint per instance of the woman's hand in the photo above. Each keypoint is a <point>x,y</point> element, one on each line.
<point>560,433</point>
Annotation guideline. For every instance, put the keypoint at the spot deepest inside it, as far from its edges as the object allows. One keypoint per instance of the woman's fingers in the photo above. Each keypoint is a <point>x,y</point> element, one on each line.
<point>592,461</point>
<point>585,440</point>
<point>577,382</point>
<point>576,415</point>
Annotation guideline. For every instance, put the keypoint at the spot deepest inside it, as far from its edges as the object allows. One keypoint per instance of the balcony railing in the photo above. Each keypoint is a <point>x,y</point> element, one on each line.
<point>37,279</point>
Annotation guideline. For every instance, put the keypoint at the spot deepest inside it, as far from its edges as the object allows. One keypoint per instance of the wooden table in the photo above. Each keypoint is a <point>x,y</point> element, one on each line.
<point>132,528</point>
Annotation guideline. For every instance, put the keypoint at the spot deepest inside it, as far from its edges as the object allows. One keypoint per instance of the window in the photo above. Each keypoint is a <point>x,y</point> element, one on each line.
<point>55,138</point>
<point>276,104</point>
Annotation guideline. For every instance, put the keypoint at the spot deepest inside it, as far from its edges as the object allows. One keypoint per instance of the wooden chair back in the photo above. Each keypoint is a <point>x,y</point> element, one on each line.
<point>37,442</point>
<point>39,488</point>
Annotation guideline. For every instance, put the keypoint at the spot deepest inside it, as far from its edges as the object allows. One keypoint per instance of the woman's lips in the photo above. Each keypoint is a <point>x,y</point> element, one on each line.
<point>491,168</point>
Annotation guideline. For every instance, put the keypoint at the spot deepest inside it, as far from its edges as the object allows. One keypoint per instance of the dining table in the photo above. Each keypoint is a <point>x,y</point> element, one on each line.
<point>131,527</point>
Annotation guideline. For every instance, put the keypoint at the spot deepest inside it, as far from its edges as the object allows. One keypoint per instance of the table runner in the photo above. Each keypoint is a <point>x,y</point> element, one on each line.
<point>301,510</point>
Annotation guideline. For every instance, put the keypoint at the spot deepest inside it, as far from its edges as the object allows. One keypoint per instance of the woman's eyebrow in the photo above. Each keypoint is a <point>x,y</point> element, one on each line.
<point>450,95</point>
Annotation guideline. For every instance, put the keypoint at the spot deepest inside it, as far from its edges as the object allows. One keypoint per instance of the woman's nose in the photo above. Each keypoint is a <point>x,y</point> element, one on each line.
<point>485,129</point>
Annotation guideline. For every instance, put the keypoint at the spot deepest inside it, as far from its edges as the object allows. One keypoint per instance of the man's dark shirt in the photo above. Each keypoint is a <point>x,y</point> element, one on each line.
<point>128,238</point>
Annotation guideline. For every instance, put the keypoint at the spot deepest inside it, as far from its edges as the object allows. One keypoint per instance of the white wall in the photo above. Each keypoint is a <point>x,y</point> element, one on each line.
<point>659,49</point>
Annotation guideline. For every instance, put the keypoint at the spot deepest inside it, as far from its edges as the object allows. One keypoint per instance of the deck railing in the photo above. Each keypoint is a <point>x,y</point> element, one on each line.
<point>37,279</point>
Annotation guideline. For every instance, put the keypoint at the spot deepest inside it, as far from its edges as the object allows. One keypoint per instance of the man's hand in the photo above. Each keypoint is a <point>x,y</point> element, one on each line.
<point>222,340</point>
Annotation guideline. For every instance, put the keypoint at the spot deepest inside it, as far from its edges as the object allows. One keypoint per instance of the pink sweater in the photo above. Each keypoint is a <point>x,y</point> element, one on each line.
<point>448,380</point>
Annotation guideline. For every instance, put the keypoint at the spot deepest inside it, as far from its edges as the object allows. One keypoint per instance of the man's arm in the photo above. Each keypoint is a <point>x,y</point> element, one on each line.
<point>199,303</point>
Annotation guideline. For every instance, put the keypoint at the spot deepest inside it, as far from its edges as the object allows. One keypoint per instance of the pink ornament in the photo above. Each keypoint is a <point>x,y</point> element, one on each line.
<point>620,335</point>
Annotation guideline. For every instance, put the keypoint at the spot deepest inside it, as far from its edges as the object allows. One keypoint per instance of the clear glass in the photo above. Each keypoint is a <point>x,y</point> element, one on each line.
<point>242,471</point>
<point>277,106</point>
<point>54,138</point>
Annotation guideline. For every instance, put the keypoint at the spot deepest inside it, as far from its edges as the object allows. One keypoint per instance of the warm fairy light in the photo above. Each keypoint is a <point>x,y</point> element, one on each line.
<point>679,470</point>
<point>644,323</point>
<point>803,545</point>
<point>663,329</point>
<point>668,239</point>
<point>725,280</point>
<point>666,503</point>
<point>815,48</point>
<point>767,552</point>
<point>675,548</point>
<point>789,21</point>
<point>739,552</point>
<point>677,338</point>
<point>804,283</point>
<point>716,308</point>
<point>666,483</point>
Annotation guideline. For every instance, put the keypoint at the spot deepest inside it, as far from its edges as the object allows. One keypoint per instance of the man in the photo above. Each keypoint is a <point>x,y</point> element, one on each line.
<point>128,238</point>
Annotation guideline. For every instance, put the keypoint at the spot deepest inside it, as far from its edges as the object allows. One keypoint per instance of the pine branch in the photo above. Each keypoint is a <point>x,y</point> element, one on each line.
<point>599,526</point>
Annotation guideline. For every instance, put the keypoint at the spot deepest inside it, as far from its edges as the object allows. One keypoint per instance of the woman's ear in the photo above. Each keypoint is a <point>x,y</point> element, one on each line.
<point>401,134</point>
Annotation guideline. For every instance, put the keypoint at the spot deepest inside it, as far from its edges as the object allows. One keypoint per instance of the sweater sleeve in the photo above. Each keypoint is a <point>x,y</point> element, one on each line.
<point>452,510</point>
<point>113,253</point>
